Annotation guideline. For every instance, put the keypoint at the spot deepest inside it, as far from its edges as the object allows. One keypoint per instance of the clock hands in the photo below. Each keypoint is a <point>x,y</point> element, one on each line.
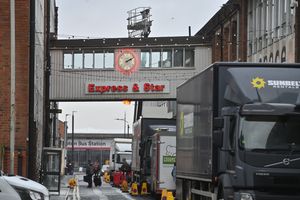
<point>128,60</point>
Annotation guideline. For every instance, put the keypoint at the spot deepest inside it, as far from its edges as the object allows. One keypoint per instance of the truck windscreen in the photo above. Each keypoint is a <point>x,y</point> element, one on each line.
<point>274,133</point>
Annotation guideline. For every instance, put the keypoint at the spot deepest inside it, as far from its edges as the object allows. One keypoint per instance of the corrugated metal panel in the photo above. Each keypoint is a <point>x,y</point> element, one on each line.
<point>70,85</point>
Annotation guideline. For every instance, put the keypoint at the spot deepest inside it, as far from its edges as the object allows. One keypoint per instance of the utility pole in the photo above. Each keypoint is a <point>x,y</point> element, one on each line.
<point>124,124</point>
<point>128,130</point>
<point>73,138</point>
<point>12,85</point>
<point>66,131</point>
<point>125,121</point>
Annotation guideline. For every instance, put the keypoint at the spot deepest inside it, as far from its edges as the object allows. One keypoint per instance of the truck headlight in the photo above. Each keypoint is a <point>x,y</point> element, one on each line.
<point>246,196</point>
<point>35,195</point>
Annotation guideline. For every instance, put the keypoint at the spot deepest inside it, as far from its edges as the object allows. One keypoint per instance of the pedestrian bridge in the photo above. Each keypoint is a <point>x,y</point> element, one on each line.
<point>124,68</point>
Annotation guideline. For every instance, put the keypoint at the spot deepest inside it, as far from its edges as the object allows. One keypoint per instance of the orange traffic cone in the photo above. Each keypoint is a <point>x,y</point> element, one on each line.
<point>134,189</point>
<point>164,194</point>
<point>170,196</point>
<point>144,190</point>
<point>124,186</point>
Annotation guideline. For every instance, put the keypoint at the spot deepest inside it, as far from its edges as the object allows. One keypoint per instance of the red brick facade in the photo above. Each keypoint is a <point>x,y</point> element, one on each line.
<point>227,32</point>
<point>22,84</point>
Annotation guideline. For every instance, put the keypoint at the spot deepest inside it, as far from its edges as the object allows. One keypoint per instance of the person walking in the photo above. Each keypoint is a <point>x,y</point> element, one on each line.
<point>70,168</point>
<point>173,173</point>
<point>89,173</point>
<point>97,176</point>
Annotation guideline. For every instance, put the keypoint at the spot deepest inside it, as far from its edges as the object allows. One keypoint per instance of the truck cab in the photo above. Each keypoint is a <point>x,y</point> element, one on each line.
<point>238,133</point>
<point>260,151</point>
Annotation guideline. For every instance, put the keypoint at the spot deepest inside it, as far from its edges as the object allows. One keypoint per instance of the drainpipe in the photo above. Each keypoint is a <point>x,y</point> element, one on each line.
<point>31,127</point>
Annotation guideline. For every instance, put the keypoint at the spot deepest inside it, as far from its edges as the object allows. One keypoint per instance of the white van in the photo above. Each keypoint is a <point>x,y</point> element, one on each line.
<point>7,192</point>
<point>26,188</point>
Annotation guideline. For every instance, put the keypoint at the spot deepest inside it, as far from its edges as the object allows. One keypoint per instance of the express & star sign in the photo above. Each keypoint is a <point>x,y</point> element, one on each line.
<point>127,87</point>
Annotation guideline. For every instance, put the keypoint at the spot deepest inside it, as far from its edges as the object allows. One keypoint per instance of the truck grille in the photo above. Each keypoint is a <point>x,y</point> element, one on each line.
<point>266,196</point>
<point>277,181</point>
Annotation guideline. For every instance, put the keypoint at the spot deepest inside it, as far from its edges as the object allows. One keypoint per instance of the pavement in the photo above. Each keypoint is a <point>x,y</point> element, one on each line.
<point>64,188</point>
<point>105,192</point>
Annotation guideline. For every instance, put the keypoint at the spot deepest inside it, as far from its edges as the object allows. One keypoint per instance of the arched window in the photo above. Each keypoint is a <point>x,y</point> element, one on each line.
<point>277,57</point>
<point>283,55</point>
<point>271,58</point>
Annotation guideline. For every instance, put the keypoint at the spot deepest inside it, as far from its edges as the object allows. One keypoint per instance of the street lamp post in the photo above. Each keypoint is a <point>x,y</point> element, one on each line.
<point>125,121</point>
<point>66,130</point>
<point>73,137</point>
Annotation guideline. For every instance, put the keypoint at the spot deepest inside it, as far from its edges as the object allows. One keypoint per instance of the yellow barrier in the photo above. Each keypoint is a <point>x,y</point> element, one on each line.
<point>170,196</point>
<point>164,194</point>
<point>144,190</point>
<point>134,189</point>
<point>106,177</point>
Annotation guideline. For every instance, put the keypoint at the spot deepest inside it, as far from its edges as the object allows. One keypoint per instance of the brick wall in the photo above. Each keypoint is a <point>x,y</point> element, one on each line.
<point>22,84</point>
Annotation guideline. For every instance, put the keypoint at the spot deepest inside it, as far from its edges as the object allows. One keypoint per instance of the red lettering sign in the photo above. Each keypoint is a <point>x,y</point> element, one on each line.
<point>153,88</point>
<point>147,87</point>
<point>135,88</point>
<point>91,87</point>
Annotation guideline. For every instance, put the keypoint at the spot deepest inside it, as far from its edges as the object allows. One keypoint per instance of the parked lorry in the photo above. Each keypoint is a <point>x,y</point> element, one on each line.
<point>163,158</point>
<point>143,160</point>
<point>238,133</point>
<point>120,149</point>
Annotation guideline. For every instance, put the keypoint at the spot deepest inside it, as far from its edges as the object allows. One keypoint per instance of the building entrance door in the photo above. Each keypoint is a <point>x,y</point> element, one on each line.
<point>52,168</point>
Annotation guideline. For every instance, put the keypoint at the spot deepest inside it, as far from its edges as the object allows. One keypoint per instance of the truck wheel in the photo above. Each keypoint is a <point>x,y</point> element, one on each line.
<point>224,194</point>
<point>220,193</point>
<point>187,193</point>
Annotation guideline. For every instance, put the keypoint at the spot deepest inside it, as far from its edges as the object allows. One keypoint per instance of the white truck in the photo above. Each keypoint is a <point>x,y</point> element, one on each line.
<point>120,149</point>
<point>163,150</point>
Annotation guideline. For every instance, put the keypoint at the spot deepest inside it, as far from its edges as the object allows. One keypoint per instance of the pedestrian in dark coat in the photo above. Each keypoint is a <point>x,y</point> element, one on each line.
<point>89,173</point>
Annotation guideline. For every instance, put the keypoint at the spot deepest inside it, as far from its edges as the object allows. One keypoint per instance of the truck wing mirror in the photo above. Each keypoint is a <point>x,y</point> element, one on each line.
<point>218,138</point>
<point>218,123</point>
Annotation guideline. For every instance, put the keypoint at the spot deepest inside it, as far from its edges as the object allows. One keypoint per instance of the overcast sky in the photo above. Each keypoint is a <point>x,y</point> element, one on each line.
<point>108,19</point>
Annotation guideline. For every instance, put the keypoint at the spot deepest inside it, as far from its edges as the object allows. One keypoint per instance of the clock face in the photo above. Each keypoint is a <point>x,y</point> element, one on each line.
<point>127,60</point>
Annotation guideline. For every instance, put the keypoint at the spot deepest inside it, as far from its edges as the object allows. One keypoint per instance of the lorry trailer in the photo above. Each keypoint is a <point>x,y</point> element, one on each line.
<point>143,130</point>
<point>238,133</point>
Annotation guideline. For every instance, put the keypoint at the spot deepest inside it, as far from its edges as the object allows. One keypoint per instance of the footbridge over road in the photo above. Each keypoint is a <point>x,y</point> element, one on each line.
<point>124,68</point>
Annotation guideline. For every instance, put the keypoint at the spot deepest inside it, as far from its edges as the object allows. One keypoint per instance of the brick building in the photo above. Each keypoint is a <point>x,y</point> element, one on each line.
<point>30,50</point>
<point>255,31</point>
<point>227,31</point>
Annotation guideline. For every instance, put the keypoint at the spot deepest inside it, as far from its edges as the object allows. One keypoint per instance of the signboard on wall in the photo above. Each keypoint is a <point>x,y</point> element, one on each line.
<point>88,143</point>
<point>147,87</point>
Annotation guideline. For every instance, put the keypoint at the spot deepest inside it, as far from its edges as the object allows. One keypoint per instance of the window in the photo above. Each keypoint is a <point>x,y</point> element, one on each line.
<point>278,133</point>
<point>283,55</point>
<point>271,58</point>
<point>78,61</point>
<point>155,59</point>
<point>109,60</point>
<point>99,60</point>
<point>178,58</point>
<point>145,59</point>
<point>88,60</point>
<point>277,57</point>
<point>189,58</point>
<point>150,58</point>
<point>68,60</point>
<point>167,58</point>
